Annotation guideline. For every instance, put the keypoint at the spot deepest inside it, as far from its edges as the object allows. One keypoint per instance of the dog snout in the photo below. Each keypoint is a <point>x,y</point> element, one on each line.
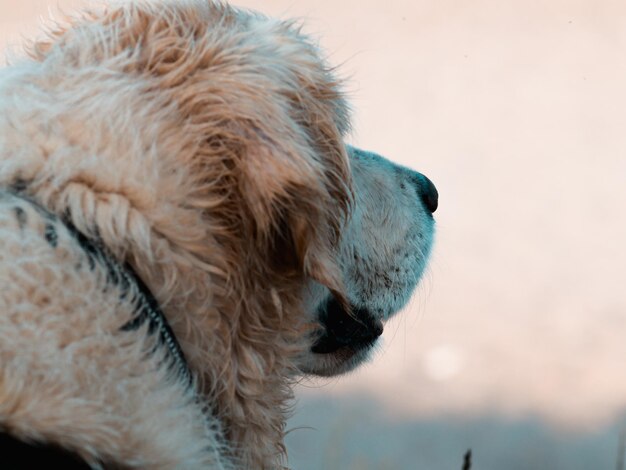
<point>426,190</point>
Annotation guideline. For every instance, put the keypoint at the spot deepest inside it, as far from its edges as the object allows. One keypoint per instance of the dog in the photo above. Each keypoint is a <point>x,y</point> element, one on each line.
<point>183,234</point>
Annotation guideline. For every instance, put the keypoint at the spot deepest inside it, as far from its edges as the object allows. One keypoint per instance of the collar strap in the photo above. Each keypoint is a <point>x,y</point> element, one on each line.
<point>148,309</point>
<point>125,277</point>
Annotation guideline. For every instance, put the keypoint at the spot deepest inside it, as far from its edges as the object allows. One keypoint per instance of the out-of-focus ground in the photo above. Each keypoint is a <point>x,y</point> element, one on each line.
<point>515,344</point>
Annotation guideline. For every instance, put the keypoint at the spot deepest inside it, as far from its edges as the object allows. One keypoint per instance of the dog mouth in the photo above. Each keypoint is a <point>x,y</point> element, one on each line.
<point>343,331</point>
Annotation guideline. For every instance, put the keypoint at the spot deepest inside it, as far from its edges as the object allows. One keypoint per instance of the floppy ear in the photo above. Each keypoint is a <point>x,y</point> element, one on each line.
<point>298,200</point>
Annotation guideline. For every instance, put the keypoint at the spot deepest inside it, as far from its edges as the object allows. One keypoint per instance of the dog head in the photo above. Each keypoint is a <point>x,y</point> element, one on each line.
<point>248,143</point>
<point>207,150</point>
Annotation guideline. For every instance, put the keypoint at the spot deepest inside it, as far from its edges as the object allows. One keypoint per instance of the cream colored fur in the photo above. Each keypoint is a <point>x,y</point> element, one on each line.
<point>68,375</point>
<point>202,145</point>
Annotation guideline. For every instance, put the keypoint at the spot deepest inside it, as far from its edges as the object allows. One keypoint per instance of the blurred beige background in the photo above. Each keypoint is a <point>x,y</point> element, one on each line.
<point>515,344</point>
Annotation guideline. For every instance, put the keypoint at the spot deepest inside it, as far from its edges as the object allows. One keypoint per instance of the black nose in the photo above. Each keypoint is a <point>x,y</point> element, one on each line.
<point>428,193</point>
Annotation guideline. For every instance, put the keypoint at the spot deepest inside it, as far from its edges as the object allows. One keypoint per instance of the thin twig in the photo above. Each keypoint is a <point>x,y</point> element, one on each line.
<point>467,460</point>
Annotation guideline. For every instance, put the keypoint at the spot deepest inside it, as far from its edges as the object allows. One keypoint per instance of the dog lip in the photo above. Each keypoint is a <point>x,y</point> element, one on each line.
<point>355,331</point>
<point>328,344</point>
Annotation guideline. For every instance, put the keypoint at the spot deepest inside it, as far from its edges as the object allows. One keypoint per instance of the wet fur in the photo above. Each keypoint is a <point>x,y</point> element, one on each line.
<point>202,145</point>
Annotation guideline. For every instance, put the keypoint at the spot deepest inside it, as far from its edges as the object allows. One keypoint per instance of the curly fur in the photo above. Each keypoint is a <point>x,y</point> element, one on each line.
<point>202,145</point>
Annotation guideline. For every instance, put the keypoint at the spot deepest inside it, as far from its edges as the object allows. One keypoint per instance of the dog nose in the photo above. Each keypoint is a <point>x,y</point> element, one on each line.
<point>427,193</point>
<point>425,187</point>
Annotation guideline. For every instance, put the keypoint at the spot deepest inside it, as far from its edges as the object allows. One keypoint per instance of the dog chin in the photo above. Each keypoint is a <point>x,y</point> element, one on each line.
<point>338,362</point>
<point>344,339</point>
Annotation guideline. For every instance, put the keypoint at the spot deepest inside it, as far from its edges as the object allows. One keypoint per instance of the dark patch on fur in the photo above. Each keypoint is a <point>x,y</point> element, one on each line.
<point>19,185</point>
<point>51,235</point>
<point>20,215</point>
<point>92,263</point>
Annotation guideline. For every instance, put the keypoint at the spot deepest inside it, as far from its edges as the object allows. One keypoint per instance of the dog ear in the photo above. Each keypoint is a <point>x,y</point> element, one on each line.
<point>298,200</point>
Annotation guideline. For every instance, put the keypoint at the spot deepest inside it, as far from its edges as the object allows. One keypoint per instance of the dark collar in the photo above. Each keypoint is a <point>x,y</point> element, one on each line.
<point>125,278</point>
<point>147,307</point>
